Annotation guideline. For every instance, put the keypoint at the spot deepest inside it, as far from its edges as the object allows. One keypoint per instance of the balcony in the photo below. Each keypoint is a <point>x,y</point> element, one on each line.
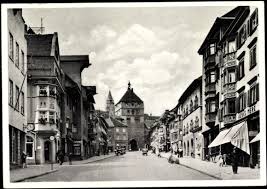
<point>229,88</point>
<point>210,88</point>
<point>229,118</point>
<point>229,60</point>
<point>210,118</point>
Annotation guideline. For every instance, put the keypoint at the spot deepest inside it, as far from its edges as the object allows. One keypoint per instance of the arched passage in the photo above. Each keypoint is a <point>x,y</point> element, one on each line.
<point>133,145</point>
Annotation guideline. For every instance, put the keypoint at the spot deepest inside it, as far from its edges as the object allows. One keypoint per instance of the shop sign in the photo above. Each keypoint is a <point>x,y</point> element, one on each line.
<point>248,111</point>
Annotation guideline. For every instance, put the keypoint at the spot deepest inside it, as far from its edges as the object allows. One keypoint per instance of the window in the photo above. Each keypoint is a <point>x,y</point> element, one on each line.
<point>210,107</point>
<point>212,49</point>
<point>253,94</point>
<point>117,130</point>
<point>231,76</point>
<point>242,35</point>
<point>17,98</point>
<point>191,106</point>
<point>128,119</point>
<point>128,111</point>
<point>241,69</point>
<point>232,46</point>
<point>52,118</point>
<point>241,101</point>
<point>17,55</point>
<point>253,21</point>
<point>137,119</point>
<point>22,61</point>
<point>211,77</point>
<point>124,138</point>
<point>42,90</point>
<point>10,92</point>
<point>133,112</point>
<point>29,147</point>
<point>22,103</point>
<point>118,137</point>
<point>196,121</point>
<point>42,117</point>
<point>11,47</point>
<point>123,130</point>
<point>252,56</point>
<point>230,106</point>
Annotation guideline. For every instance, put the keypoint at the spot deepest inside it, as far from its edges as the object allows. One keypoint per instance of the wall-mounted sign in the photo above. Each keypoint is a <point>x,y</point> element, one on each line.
<point>248,111</point>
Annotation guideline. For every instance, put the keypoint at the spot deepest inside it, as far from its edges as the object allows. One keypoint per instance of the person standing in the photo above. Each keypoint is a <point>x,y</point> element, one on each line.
<point>224,159</point>
<point>61,157</point>
<point>23,159</point>
<point>70,158</point>
<point>235,160</point>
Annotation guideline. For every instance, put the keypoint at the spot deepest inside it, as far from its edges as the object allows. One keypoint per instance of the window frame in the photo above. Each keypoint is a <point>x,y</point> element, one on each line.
<point>32,143</point>
<point>11,93</point>
<point>11,47</point>
<point>17,55</point>
<point>17,98</point>
<point>22,103</point>
<point>251,50</point>
<point>22,61</point>
<point>241,62</point>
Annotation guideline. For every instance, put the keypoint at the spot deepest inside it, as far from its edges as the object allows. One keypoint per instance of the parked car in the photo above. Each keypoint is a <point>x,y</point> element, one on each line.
<point>144,151</point>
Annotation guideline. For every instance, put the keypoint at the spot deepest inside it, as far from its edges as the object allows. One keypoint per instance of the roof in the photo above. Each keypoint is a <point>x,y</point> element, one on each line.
<point>112,122</point>
<point>130,97</point>
<point>196,83</point>
<point>71,58</point>
<point>39,45</point>
<point>227,18</point>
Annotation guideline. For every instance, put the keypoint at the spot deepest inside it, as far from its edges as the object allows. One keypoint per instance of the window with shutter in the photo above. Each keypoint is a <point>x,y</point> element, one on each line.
<point>253,21</point>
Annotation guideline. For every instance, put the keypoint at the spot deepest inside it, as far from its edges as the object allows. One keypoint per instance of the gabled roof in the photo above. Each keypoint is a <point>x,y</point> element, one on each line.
<point>39,45</point>
<point>130,97</point>
<point>196,83</point>
<point>112,122</point>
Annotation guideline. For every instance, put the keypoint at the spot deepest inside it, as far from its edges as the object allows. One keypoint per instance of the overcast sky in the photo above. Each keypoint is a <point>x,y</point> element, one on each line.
<point>153,48</point>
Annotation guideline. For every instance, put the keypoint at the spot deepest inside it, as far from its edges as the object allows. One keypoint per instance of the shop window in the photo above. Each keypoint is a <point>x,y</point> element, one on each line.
<point>252,56</point>
<point>241,69</point>
<point>11,46</point>
<point>17,55</point>
<point>10,92</point>
<point>29,147</point>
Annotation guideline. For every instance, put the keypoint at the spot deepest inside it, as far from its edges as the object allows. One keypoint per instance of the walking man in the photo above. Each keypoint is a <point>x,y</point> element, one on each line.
<point>235,160</point>
<point>23,159</point>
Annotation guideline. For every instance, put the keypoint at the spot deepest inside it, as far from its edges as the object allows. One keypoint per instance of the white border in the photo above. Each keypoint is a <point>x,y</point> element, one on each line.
<point>6,173</point>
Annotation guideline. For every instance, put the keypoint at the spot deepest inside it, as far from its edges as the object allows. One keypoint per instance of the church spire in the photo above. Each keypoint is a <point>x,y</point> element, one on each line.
<point>110,98</point>
<point>129,85</point>
<point>110,107</point>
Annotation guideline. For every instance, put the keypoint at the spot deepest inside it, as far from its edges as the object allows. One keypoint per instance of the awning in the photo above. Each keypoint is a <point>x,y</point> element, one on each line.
<point>231,133</point>
<point>225,136</point>
<point>256,138</point>
<point>218,140</point>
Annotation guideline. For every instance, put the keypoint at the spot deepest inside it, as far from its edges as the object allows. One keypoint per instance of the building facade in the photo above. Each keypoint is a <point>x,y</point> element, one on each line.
<point>191,106</point>
<point>131,109</point>
<point>45,96</point>
<point>73,65</point>
<point>17,73</point>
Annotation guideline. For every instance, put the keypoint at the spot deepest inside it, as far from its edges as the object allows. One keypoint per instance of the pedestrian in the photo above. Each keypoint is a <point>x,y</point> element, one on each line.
<point>224,157</point>
<point>23,159</point>
<point>70,158</point>
<point>60,157</point>
<point>234,160</point>
<point>220,160</point>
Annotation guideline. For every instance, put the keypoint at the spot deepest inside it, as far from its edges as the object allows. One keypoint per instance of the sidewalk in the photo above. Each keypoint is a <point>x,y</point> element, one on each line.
<point>214,170</point>
<point>18,175</point>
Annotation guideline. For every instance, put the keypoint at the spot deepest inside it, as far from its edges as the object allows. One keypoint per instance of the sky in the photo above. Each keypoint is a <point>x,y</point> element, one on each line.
<point>155,48</point>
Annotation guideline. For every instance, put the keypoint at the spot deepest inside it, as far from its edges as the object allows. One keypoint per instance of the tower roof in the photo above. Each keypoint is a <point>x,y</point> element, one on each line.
<point>110,98</point>
<point>129,96</point>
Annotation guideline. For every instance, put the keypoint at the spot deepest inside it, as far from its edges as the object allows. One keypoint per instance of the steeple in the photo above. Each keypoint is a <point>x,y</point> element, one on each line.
<point>110,107</point>
<point>129,85</point>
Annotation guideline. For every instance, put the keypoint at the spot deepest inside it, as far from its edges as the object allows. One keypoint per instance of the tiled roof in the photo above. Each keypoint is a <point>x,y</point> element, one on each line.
<point>39,45</point>
<point>112,122</point>
<point>129,97</point>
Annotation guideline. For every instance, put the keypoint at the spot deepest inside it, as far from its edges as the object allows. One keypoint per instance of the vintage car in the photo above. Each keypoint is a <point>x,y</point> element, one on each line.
<point>144,151</point>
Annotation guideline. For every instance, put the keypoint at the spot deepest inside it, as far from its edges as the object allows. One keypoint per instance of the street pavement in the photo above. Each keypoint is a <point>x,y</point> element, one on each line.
<point>213,169</point>
<point>132,166</point>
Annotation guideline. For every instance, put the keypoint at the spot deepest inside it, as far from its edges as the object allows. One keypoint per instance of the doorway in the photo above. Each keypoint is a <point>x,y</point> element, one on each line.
<point>133,145</point>
<point>47,150</point>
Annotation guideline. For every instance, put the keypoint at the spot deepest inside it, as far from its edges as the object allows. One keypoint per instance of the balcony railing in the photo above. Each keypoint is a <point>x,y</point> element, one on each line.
<point>210,118</point>
<point>210,88</point>
<point>229,118</point>
<point>229,60</point>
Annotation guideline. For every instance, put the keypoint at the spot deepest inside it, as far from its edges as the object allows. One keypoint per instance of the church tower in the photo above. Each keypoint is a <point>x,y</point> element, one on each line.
<point>131,109</point>
<point>110,107</point>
